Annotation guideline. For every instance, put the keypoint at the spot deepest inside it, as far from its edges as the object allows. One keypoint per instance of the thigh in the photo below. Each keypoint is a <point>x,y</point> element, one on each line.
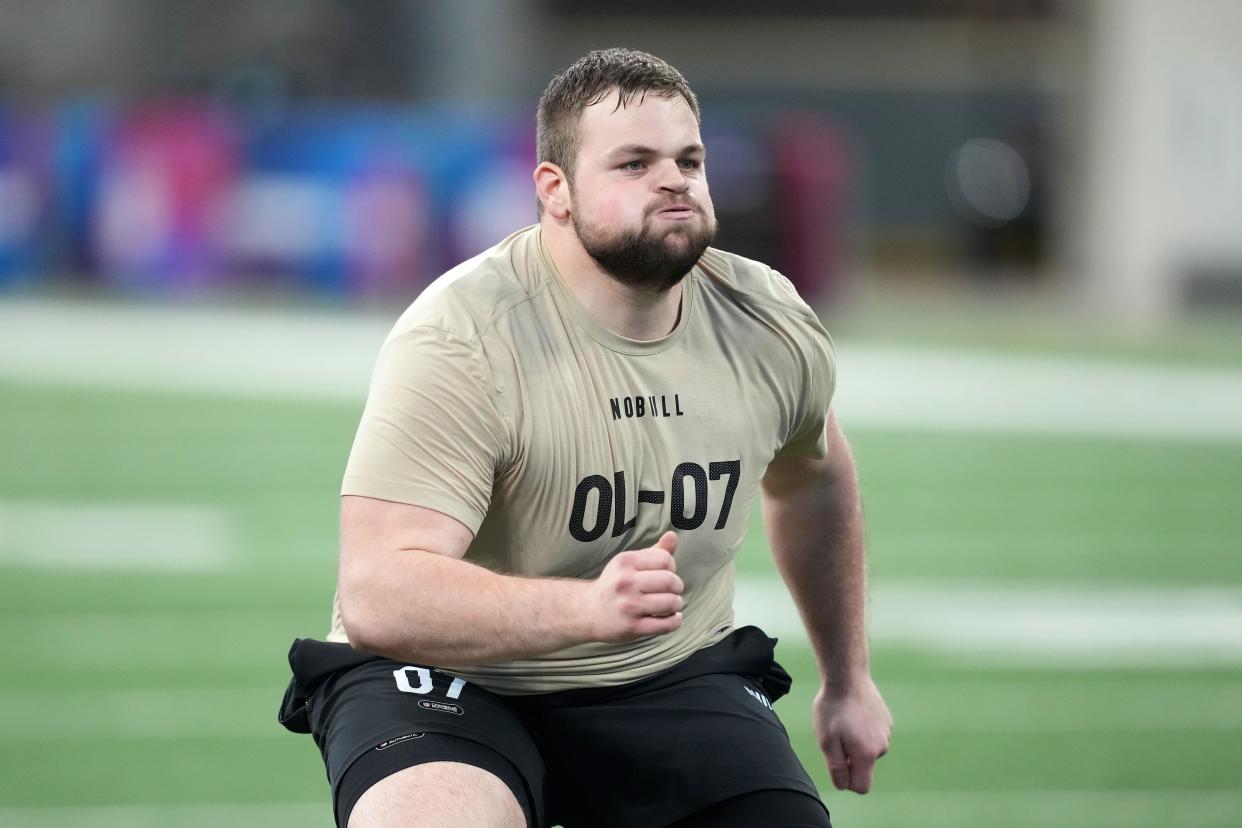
<point>381,717</point>
<point>434,795</point>
<point>656,757</point>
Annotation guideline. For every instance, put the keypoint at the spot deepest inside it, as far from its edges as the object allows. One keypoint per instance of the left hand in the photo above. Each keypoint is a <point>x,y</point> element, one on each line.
<point>853,728</point>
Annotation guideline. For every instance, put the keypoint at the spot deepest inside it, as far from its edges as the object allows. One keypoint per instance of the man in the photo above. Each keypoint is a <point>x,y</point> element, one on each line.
<point>558,458</point>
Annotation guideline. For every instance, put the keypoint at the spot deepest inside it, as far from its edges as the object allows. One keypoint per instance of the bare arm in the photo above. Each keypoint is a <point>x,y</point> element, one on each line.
<point>406,593</point>
<point>813,517</point>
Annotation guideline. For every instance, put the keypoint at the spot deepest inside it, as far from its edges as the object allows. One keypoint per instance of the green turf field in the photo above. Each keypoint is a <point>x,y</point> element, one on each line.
<point>146,695</point>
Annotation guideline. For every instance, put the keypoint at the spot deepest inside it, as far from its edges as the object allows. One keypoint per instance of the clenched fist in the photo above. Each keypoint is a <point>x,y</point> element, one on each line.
<point>637,595</point>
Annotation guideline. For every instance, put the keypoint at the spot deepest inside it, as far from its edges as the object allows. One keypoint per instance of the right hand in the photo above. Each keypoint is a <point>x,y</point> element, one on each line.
<point>637,595</point>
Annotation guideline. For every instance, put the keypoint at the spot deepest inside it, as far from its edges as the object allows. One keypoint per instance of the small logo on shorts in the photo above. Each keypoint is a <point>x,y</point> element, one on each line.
<point>759,697</point>
<point>407,737</point>
<point>455,709</point>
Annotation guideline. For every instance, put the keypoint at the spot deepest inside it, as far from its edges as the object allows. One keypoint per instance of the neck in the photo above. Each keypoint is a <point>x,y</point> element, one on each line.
<point>630,312</point>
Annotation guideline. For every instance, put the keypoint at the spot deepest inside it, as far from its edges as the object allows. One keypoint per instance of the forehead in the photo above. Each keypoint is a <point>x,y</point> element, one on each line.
<point>651,119</point>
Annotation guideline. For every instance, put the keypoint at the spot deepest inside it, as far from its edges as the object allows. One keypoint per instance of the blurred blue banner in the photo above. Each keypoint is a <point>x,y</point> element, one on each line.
<point>181,196</point>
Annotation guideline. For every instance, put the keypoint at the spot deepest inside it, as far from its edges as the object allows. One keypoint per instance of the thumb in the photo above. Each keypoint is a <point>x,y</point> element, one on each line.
<point>668,542</point>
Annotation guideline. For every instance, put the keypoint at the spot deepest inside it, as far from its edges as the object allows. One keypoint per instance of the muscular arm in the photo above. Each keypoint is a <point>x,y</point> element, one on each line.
<point>407,594</point>
<point>813,517</point>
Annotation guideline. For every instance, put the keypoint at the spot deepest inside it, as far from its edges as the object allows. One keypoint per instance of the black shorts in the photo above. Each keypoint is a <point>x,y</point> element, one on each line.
<point>642,754</point>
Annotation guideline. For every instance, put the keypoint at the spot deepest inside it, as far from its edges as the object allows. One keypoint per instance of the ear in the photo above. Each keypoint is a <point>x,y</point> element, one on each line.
<point>552,187</point>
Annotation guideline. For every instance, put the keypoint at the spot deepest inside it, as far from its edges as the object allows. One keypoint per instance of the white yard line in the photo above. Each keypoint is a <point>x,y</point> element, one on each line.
<point>329,356</point>
<point>1052,624</point>
<point>1032,624</point>
<point>935,388</point>
<point>187,349</point>
<point>126,536</point>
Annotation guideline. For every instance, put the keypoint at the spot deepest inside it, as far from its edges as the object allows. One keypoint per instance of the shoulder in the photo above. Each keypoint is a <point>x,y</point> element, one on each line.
<point>765,296</point>
<point>465,302</point>
<point>752,283</point>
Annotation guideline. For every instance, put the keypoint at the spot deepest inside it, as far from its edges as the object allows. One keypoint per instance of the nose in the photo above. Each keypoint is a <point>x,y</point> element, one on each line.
<point>670,178</point>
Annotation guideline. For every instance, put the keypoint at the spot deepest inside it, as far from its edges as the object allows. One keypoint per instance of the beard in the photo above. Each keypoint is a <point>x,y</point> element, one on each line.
<point>645,258</point>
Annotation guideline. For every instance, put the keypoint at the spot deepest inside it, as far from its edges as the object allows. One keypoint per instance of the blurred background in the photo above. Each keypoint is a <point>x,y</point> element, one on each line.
<point>1021,220</point>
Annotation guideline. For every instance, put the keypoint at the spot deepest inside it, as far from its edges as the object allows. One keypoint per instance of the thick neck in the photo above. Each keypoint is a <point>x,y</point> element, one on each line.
<point>628,312</point>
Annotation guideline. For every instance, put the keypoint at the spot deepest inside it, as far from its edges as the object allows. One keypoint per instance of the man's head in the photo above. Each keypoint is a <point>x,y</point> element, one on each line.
<point>589,80</point>
<point>621,160</point>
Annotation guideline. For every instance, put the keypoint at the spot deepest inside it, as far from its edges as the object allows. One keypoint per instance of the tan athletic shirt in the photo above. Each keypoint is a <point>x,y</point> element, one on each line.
<point>499,401</point>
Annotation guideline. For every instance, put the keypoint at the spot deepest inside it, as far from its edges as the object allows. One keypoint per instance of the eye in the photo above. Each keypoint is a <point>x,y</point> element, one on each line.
<point>690,163</point>
<point>632,166</point>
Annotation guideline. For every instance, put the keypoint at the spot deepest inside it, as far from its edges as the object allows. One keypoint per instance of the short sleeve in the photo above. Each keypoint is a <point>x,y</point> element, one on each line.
<point>814,391</point>
<point>431,434</point>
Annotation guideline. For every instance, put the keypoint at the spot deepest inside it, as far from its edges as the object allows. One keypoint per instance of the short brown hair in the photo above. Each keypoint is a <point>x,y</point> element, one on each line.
<point>588,81</point>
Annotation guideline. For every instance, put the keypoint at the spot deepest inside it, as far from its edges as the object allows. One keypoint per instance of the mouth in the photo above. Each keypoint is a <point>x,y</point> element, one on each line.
<point>677,211</point>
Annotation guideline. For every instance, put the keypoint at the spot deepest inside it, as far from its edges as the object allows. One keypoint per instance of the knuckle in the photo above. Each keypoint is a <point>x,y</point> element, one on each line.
<point>660,582</point>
